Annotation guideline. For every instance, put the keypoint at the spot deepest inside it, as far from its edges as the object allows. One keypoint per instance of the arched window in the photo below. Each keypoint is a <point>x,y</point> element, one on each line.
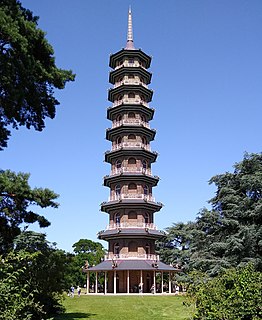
<point>144,141</point>
<point>142,97</point>
<point>116,248</point>
<point>118,165</point>
<point>119,117</point>
<point>131,76</point>
<point>146,190</point>
<point>117,190</point>
<point>131,137</point>
<point>117,219</point>
<point>143,118</point>
<point>132,215</point>
<point>131,95</point>
<point>118,140</point>
<point>120,97</point>
<point>144,164</point>
<point>131,115</point>
<point>131,60</point>
<point>132,246</point>
<point>131,162</point>
<point>147,248</point>
<point>132,186</point>
<point>146,218</point>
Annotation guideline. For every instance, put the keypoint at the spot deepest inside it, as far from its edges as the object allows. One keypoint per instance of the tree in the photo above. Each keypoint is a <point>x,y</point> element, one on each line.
<point>230,234</point>
<point>16,201</point>
<point>234,295</point>
<point>85,252</point>
<point>28,73</point>
<point>175,248</point>
<point>45,273</point>
<point>17,295</point>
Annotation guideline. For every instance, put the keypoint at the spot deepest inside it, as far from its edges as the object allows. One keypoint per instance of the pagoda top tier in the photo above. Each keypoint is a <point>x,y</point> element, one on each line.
<point>129,52</point>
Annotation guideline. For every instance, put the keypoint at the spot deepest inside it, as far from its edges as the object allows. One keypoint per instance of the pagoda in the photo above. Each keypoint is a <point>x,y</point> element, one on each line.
<point>131,264</point>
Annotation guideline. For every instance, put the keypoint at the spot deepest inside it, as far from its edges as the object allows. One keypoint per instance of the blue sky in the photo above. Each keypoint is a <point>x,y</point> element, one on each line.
<point>207,79</point>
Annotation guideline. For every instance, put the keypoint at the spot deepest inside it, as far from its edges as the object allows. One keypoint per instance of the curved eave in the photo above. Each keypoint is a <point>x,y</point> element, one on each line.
<point>137,53</point>
<point>127,88</point>
<point>113,75</point>
<point>152,180</point>
<point>131,203</point>
<point>128,129</point>
<point>148,155</point>
<point>132,264</point>
<point>113,111</point>
<point>130,233</point>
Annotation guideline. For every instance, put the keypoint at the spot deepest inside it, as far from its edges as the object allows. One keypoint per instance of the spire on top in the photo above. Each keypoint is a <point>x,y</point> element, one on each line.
<point>130,42</point>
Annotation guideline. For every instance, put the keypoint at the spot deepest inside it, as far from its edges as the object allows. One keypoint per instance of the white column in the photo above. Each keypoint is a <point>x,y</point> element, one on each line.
<point>105,282</point>
<point>154,282</point>
<point>96,282</point>
<point>114,281</point>
<point>127,281</point>
<point>141,280</point>
<point>87,282</point>
<point>162,282</point>
<point>169,283</point>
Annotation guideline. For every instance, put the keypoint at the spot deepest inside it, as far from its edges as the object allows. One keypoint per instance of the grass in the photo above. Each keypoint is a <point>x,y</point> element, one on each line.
<point>125,308</point>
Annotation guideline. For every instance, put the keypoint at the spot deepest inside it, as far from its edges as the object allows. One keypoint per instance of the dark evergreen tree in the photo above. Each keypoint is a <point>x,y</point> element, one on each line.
<point>28,73</point>
<point>16,201</point>
<point>175,247</point>
<point>230,234</point>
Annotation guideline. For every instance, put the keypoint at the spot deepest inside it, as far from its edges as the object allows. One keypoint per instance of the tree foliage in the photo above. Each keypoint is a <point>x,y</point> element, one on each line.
<point>46,272</point>
<point>230,233</point>
<point>234,295</point>
<point>17,295</point>
<point>17,200</point>
<point>28,73</point>
<point>86,252</point>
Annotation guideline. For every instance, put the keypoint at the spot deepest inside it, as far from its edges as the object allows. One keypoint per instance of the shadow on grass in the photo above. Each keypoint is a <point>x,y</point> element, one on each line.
<point>75,316</point>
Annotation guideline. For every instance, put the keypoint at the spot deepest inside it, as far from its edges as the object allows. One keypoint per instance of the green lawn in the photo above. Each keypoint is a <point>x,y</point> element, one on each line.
<point>125,308</point>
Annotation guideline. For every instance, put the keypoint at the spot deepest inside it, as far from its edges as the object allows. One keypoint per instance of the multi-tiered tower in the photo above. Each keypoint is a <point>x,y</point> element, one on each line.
<point>131,232</point>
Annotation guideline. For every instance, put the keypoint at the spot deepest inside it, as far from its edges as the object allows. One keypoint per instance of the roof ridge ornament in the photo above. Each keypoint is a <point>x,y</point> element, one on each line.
<point>130,41</point>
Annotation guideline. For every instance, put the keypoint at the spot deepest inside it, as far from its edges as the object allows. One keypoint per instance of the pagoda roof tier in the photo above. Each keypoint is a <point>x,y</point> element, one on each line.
<point>132,264</point>
<point>113,92</point>
<point>144,233</point>
<point>137,129</point>
<point>131,177</point>
<point>129,54</point>
<point>114,110</point>
<point>132,203</point>
<point>134,151</point>
<point>122,71</point>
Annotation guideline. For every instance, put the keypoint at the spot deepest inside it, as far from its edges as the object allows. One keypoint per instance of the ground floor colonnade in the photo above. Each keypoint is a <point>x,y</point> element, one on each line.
<point>129,277</point>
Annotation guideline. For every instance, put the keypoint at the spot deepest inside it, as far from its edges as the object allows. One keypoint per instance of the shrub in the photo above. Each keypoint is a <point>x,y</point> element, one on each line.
<point>234,295</point>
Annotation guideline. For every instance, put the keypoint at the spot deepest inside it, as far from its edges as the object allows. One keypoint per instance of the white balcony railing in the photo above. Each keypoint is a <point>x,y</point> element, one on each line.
<point>131,255</point>
<point>128,64</point>
<point>127,145</point>
<point>127,82</point>
<point>130,101</point>
<point>134,122</point>
<point>132,225</point>
<point>125,196</point>
<point>131,170</point>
